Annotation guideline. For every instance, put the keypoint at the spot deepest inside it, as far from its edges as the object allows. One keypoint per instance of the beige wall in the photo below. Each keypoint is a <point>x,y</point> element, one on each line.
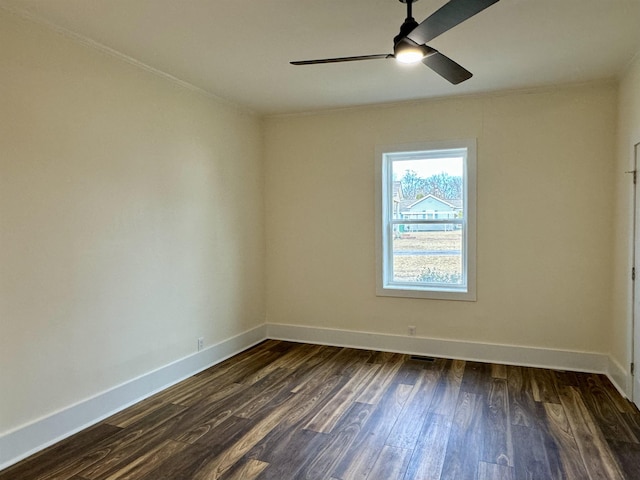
<point>628,136</point>
<point>131,215</point>
<point>545,206</point>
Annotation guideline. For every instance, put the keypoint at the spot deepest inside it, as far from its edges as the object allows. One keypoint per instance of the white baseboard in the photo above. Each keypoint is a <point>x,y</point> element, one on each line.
<point>619,377</point>
<point>481,352</point>
<point>33,437</point>
<point>29,439</point>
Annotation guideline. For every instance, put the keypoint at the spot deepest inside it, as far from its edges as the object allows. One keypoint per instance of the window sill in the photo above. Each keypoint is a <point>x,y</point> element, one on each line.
<point>433,294</point>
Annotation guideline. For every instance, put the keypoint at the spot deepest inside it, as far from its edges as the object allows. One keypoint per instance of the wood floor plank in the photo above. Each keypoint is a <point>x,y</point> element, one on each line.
<point>565,378</point>
<point>628,456</point>
<point>313,355</point>
<point>225,375</point>
<point>391,464</point>
<point>281,346</point>
<point>530,454</point>
<point>285,461</point>
<point>134,413</point>
<point>598,459</point>
<point>222,374</point>
<point>535,449</point>
<point>522,407</point>
<point>498,371</point>
<point>208,392</point>
<point>570,459</point>
<point>147,462</point>
<point>633,421</point>
<point>207,415</point>
<point>253,399</point>
<point>407,427</point>
<point>623,404</point>
<point>202,422</point>
<point>330,414</point>
<point>364,450</point>
<point>181,466</point>
<point>215,395</point>
<point>289,411</point>
<point>339,442</point>
<point>328,359</point>
<point>225,434</point>
<point>410,371</point>
<point>51,458</point>
<point>428,455</point>
<point>73,468</point>
<point>381,357</point>
<point>348,360</point>
<point>604,410</point>
<point>278,441</point>
<point>103,455</point>
<point>465,439</point>
<point>475,378</point>
<point>376,388</point>
<point>247,470</point>
<point>491,471</point>
<point>550,444</point>
<point>543,385</point>
<point>446,396</point>
<point>296,356</point>
<point>497,445</point>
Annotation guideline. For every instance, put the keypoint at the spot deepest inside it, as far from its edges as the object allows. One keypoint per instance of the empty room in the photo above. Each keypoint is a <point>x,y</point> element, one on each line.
<point>319,239</point>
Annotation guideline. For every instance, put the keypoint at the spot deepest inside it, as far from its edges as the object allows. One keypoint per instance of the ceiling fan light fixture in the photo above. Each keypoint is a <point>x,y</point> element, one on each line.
<point>409,55</point>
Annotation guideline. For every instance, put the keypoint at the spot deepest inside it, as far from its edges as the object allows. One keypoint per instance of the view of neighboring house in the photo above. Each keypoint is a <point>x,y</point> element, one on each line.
<point>428,207</point>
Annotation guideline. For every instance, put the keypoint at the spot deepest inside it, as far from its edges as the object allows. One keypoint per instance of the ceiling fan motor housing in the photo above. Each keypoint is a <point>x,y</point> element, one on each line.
<point>401,41</point>
<point>407,27</point>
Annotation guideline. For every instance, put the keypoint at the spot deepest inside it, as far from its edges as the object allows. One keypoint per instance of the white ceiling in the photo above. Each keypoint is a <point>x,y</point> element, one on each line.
<point>240,50</point>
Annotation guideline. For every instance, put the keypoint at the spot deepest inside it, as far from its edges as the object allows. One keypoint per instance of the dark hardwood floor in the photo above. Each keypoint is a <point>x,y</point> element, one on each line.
<point>293,411</point>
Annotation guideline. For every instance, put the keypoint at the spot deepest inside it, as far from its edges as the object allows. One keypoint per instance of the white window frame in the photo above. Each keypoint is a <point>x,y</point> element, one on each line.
<point>385,155</point>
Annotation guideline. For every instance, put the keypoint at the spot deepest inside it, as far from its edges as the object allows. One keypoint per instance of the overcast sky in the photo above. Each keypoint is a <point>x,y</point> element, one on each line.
<point>427,168</point>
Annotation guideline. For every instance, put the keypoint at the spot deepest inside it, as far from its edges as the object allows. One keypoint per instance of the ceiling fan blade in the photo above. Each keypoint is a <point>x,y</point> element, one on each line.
<point>447,17</point>
<point>447,68</point>
<point>342,59</point>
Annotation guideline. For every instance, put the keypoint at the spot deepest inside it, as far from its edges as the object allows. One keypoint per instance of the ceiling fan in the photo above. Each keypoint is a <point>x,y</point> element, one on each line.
<point>409,46</point>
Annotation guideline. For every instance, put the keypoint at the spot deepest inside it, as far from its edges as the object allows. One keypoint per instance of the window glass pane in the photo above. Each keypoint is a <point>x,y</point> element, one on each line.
<point>428,254</point>
<point>430,188</point>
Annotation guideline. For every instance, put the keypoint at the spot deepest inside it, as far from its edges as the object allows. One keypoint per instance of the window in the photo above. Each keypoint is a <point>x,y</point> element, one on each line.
<point>425,203</point>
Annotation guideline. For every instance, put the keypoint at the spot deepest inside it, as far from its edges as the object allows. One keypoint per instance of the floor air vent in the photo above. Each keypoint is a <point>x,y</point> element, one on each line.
<point>420,358</point>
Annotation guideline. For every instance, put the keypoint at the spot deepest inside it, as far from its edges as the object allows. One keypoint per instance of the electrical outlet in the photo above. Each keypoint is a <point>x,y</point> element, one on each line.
<point>200,343</point>
<point>412,330</point>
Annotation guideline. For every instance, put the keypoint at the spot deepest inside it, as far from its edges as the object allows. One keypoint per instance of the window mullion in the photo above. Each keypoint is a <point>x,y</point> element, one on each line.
<point>425,221</point>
